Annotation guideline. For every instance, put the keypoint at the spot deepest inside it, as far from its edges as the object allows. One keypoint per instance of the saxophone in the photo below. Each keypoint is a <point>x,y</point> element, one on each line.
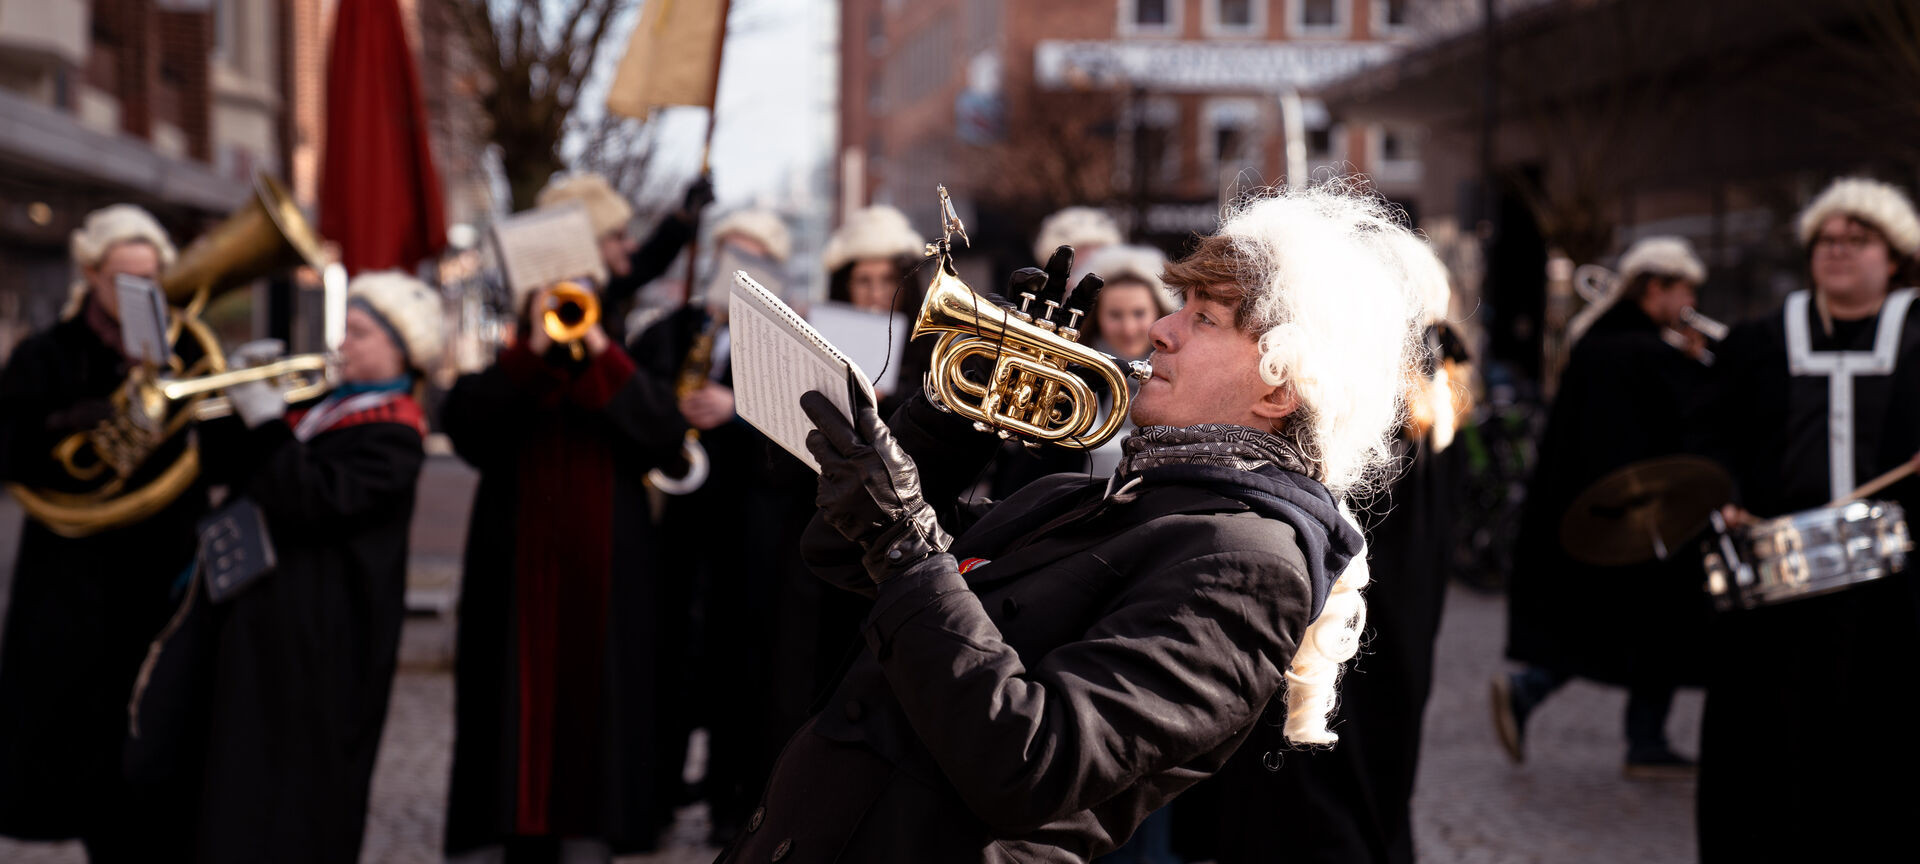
<point>694,372</point>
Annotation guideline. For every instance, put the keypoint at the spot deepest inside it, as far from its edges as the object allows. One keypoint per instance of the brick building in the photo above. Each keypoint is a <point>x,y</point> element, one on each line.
<point>1154,109</point>
<point>165,104</point>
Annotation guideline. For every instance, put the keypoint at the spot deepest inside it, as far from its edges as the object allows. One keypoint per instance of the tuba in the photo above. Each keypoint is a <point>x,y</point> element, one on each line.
<point>1032,391</point>
<point>155,405</point>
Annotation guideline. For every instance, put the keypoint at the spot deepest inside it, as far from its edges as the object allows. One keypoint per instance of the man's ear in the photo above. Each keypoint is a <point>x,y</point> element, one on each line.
<point>1277,403</point>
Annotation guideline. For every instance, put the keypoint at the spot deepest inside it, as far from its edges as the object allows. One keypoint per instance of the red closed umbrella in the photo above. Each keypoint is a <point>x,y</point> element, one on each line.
<point>379,192</point>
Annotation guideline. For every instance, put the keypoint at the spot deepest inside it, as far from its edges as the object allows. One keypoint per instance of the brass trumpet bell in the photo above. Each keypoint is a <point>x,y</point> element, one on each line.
<point>1033,390</point>
<point>571,310</point>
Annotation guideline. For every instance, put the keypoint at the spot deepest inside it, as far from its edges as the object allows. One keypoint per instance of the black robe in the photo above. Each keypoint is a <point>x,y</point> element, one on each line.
<point>1623,398</point>
<point>747,631</point>
<point>560,537</point>
<point>1808,746</point>
<point>275,729</point>
<point>1352,803</point>
<point>82,613</point>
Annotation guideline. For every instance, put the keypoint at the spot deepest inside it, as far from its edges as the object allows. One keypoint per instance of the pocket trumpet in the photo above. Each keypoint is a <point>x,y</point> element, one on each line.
<point>1033,391</point>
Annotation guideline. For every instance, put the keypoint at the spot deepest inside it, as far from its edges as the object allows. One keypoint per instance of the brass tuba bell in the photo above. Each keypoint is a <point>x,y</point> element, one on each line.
<point>266,235</point>
<point>1032,391</point>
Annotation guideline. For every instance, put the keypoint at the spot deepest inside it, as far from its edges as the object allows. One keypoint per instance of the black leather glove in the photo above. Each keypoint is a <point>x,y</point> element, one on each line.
<point>81,416</point>
<point>698,196</point>
<point>869,489</point>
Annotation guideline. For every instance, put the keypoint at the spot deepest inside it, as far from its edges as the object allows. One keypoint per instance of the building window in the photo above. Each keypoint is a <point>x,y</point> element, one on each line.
<point>1392,17</point>
<point>1150,17</point>
<point>1235,18</point>
<point>1230,136</point>
<point>1154,143</point>
<point>1394,154</point>
<point>1326,140</point>
<point>1318,17</point>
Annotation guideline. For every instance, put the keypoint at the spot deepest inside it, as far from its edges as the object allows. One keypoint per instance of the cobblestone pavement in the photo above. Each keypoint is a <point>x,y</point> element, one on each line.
<point>1567,805</point>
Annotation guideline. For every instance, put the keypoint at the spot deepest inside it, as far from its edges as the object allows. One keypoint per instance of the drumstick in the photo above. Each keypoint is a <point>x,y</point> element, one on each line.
<point>1880,482</point>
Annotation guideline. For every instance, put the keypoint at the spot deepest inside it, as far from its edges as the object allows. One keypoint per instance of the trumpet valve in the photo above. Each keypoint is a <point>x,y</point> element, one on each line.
<point>1026,299</point>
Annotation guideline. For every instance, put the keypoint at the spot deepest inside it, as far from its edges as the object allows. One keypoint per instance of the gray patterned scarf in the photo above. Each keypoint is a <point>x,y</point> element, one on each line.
<point>1236,447</point>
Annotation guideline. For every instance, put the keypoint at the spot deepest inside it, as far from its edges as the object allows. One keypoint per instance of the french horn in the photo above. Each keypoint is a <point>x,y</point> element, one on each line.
<point>1033,389</point>
<point>154,405</point>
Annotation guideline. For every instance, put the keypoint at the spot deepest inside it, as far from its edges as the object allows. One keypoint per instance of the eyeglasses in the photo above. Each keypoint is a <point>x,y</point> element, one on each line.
<point>1849,243</point>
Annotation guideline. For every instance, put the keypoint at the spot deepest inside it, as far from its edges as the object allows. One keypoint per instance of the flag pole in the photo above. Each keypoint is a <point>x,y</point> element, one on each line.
<point>706,146</point>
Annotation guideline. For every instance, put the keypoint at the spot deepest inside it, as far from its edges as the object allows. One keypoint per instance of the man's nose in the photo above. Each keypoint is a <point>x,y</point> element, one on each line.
<point>1162,333</point>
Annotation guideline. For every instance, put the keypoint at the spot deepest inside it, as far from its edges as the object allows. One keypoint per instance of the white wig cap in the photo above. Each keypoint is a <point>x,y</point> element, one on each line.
<point>1878,204</point>
<point>1662,255</point>
<point>605,208</point>
<point>1079,227</point>
<point>104,229</point>
<point>1665,256</point>
<point>1335,297</point>
<point>879,231</point>
<point>1121,263</point>
<point>1337,311</point>
<point>760,224</point>
<point>411,307</point>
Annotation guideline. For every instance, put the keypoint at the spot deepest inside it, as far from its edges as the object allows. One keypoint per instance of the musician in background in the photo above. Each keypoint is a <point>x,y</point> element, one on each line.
<point>554,688</point>
<point>83,609</point>
<point>870,261</point>
<point>1623,398</point>
<point>300,661</point>
<point>1809,701</point>
<point>630,265</point>
<point>1110,641</point>
<point>719,609</point>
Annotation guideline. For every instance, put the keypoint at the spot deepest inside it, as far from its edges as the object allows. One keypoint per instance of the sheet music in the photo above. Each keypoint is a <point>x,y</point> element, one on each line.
<point>776,358</point>
<point>875,340</point>
<point>143,320</point>
<point>545,245</point>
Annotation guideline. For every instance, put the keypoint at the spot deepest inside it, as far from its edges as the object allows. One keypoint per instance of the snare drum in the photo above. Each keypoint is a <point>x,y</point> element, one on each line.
<point>1805,554</point>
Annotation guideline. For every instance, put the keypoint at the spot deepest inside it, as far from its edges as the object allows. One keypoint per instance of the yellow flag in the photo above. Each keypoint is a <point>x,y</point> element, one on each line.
<point>673,57</point>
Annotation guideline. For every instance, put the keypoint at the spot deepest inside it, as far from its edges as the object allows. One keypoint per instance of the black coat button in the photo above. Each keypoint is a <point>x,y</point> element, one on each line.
<point>1009,607</point>
<point>780,851</point>
<point>753,822</point>
<point>855,711</point>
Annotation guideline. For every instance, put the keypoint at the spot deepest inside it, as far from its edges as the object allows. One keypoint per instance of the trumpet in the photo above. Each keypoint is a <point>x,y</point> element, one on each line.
<point>571,310</point>
<point>1594,283</point>
<point>1032,391</point>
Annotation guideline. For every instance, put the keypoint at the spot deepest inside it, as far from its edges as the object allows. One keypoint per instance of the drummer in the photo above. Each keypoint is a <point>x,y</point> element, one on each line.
<point>1621,400</point>
<point>1807,701</point>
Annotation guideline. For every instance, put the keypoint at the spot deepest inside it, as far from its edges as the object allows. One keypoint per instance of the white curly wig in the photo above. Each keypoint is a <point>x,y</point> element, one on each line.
<point>104,229</point>
<point>1083,228</point>
<point>1335,291</point>
<point>1881,205</point>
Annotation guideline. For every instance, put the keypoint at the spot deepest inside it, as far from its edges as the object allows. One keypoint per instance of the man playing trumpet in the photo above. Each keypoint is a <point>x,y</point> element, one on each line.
<point>1044,672</point>
<point>553,745</point>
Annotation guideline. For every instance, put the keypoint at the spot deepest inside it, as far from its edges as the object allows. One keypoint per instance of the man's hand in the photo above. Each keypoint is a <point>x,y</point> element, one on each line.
<point>869,489</point>
<point>597,340</point>
<point>1736,516</point>
<point>537,339</point>
<point>698,196</point>
<point>708,407</point>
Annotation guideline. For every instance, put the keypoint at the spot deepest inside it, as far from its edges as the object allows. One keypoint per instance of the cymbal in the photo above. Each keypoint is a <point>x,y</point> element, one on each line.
<point>1644,510</point>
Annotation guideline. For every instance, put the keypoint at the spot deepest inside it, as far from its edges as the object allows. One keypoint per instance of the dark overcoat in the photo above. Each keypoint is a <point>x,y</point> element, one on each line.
<point>1623,398</point>
<point>1101,653</point>
<point>560,517</point>
<point>82,611</point>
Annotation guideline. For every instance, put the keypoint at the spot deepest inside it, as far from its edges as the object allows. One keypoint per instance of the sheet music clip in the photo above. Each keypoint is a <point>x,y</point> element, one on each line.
<point>950,225</point>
